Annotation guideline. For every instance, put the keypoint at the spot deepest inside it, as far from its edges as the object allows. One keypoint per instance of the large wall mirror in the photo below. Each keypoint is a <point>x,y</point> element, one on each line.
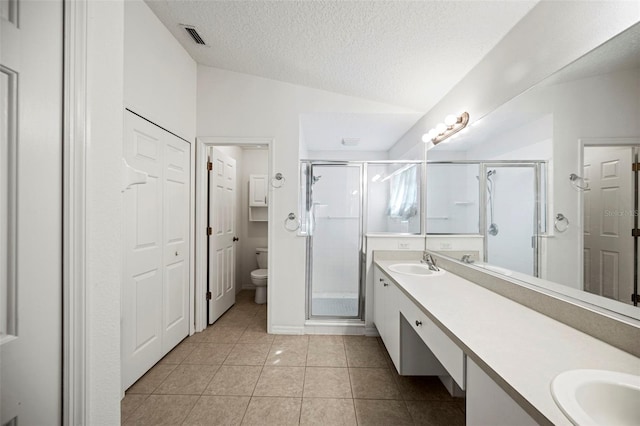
<point>545,188</point>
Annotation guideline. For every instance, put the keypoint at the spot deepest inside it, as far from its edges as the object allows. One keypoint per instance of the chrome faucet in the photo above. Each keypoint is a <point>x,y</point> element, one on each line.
<point>430,261</point>
<point>467,259</point>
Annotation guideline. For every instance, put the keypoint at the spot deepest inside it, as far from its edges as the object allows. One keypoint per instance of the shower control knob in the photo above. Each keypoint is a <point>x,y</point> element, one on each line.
<point>418,323</point>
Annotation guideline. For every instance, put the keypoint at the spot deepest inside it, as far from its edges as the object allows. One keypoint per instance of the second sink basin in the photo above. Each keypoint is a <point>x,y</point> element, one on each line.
<point>598,397</point>
<point>415,269</point>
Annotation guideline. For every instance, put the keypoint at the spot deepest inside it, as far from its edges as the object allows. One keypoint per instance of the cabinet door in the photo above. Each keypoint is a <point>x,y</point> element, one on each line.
<point>386,314</point>
<point>392,321</point>
<point>378,302</point>
<point>258,191</point>
<point>488,404</point>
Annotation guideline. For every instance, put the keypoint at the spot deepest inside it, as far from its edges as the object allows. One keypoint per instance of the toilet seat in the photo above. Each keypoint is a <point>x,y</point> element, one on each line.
<point>259,273</point>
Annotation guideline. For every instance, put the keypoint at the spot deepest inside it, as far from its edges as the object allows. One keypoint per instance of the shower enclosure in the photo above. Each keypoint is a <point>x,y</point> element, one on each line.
<point>340,202</point>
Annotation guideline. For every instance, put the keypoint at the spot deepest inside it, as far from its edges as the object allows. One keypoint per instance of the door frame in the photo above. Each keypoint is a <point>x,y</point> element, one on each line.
<point>200,235</point>
<point>599,142</point>
<point>361,240</point>
<point>75,296</point>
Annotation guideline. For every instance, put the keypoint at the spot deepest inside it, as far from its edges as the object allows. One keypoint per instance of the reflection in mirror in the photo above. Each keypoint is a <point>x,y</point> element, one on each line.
<point>547,182</point>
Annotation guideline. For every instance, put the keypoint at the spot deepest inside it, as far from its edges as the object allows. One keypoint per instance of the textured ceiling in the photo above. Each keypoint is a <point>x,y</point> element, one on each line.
<point>406,53</point>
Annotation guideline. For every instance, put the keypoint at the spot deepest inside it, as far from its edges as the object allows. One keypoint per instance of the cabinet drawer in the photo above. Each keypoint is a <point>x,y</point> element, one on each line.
<point>448,353</point>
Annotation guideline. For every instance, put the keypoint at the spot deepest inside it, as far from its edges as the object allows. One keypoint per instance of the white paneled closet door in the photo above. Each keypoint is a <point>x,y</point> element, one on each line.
<point>155,305</point>
<point>176,241</point>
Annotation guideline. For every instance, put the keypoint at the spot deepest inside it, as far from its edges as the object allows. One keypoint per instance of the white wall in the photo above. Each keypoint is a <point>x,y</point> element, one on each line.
<point>524,57</point>
<point>238,105</point>
<point>105,38</point>
<point>159,75</point>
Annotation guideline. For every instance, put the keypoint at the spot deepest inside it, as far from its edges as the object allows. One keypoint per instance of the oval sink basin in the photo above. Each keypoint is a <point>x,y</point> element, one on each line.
<point>415,269</point>
<point>598,397</point>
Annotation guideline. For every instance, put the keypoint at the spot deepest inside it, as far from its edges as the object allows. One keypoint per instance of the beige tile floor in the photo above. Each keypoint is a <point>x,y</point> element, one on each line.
<point>235,373</point>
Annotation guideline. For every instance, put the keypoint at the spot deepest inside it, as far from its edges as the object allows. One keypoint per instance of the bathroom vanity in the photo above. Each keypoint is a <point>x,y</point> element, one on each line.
<point>502,354</point>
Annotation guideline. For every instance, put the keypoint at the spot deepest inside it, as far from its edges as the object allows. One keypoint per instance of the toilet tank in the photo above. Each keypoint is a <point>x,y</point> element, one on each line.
<point>262,256</point>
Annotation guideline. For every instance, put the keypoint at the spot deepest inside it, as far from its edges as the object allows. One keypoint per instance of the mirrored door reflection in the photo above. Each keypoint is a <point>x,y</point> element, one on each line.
<point>335,239</point>
<point>512,213</point>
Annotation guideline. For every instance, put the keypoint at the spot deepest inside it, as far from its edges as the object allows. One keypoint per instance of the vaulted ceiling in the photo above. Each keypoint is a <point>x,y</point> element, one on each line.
<point>405,53</point>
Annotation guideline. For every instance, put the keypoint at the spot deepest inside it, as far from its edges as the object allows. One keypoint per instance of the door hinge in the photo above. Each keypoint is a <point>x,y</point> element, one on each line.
<point>209,230</point>
<point>635,232</point>
<point>208,295</point>
<point>209,165</point>
<point>635,167</point>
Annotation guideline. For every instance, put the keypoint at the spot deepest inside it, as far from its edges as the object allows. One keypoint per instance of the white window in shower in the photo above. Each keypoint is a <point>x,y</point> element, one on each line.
<point>393,198</point>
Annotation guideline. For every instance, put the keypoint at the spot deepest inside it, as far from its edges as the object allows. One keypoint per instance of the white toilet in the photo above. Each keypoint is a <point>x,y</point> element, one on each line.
<point>259,276</point>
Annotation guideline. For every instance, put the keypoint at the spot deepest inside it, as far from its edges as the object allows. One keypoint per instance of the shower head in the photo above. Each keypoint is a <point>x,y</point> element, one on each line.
<point>491,173</point>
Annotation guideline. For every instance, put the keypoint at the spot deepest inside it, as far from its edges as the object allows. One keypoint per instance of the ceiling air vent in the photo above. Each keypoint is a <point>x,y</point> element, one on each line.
<point>194,34</point>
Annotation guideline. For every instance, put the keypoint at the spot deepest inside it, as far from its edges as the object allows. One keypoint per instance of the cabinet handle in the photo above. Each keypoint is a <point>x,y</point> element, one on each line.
<point>265,200</point>
<point>418,323</point>
<point>381,279</point>
<point>385,284</point>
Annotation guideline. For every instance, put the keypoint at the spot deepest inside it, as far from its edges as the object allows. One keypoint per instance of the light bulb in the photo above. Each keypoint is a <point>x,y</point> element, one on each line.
<point>426,138</point>
<point>441,128</point>
<point>433,133</point>
<point>450,120</point>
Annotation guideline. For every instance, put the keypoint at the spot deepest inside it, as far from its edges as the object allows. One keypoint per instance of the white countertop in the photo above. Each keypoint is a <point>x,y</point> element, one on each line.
<point>518,345</point>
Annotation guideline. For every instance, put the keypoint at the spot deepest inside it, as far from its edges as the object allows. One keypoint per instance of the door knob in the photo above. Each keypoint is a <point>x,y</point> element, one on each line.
<point>236,239</point>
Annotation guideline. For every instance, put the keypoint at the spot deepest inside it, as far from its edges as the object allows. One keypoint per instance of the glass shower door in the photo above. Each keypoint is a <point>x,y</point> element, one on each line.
<point>512,216</point>
<point>335,202</point>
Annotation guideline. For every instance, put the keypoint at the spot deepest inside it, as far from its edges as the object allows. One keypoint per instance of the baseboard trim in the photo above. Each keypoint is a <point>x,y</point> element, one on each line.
<point>371,331</point>
<point>285,329</point>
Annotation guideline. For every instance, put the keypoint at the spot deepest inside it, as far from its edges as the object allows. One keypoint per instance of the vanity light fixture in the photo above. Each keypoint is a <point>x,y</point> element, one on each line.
<point>452,125</point>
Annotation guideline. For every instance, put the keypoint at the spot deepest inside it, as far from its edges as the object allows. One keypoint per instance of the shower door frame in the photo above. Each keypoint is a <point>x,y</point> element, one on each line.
<point>537,213</point>
<point>310,164</point>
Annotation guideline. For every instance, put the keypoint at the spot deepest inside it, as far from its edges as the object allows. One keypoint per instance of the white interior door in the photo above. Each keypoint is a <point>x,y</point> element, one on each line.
<point>31,64</point>
<point>222,214</point>
<point>142,283</point>
<point>608,221</point>
<point>176,241</point>
<point>155,300</point>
